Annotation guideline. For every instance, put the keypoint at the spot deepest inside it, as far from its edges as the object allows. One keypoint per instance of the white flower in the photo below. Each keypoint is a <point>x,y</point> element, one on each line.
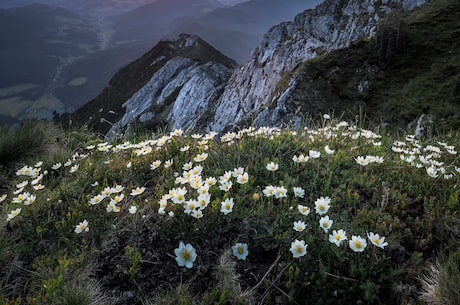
<point>363,161</point>
<point>298,248</point>
<point>155,164</point>
<point>272,166</point>
<point>314,154</point>
<point>357,243</point>
<point>337,237</point>
<point>169,163</point>
<point>22,184</point>
<point>117,189</point>
<point>299,226</point>
<point>325,223</point>
<point>238,171</point>
<point>322,205</point>
<point>112,207</point>
<point>200,157</point>
<point>187,166</point>
<point>185,255</point>
<point>74,168</point>
<point>197,214</point>
<point>269,191</point>
<point>432,171</point>
<point>17,192</point>
<point>21,197</point>
<point>298,192</point>
<point>243,178</point>
<point>227,206</point>
<point>38,187</point>
<point>300,159</point>
<point>56,166</point>
<point>82,227</point>
<point>13,214</point>
<point>190,205</point>
<point>107,191</point>
<point>304,210</point>
<point>328,150</point>
<point>137,191</point>
<point>226,177</point>
<point>129,164</point>
<point>225,186</point>
<point>29,199</point>
<point>280,192</point>
<point>203,200</point>
<point>37,180</point>
<point>132,209</point>
<point>3,197</point>
<point>178,195</point>
<point>376,240</point>
<point>240,251</point>
<point>177,132</point>
<point>184,148</point>
<point>96,199</point>
<point>210,181</point>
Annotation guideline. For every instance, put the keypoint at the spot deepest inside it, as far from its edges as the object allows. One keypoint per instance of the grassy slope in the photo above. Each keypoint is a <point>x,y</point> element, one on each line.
<point>423,76</point>
<point>131,256</point>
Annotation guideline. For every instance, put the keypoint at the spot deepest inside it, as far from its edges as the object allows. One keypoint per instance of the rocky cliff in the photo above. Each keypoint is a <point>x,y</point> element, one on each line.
<point>253,92</point>
<point>174,83</point>
<point>343,56</point>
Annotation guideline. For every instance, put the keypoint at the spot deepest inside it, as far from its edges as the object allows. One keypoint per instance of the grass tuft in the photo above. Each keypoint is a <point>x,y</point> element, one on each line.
<point>441,284</point>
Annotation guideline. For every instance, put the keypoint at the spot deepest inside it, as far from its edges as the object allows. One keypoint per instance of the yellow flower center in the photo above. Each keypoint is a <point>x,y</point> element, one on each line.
<point>358,244</point>
<point>240,250</point>
<point>299,249</point>
<point>186,255</point>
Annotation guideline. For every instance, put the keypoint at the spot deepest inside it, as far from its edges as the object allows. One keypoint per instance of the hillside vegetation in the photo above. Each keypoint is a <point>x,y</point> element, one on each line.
<point>331,214</point>
<point>410,68</point>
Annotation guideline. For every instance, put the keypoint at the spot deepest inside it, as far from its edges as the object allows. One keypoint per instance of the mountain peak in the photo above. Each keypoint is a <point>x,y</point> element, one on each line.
<point>182,74</point>
<point>186,41</point>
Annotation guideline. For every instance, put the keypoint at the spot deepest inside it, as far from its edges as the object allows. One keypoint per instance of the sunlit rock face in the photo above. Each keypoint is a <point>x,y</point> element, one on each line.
<point>259,90</point>
<point>180,93</point>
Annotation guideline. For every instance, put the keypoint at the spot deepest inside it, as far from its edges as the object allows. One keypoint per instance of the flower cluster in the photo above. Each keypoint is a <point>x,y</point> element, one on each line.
<point>190,190</point>
<point>434,159</point>
<point>322,206</point>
